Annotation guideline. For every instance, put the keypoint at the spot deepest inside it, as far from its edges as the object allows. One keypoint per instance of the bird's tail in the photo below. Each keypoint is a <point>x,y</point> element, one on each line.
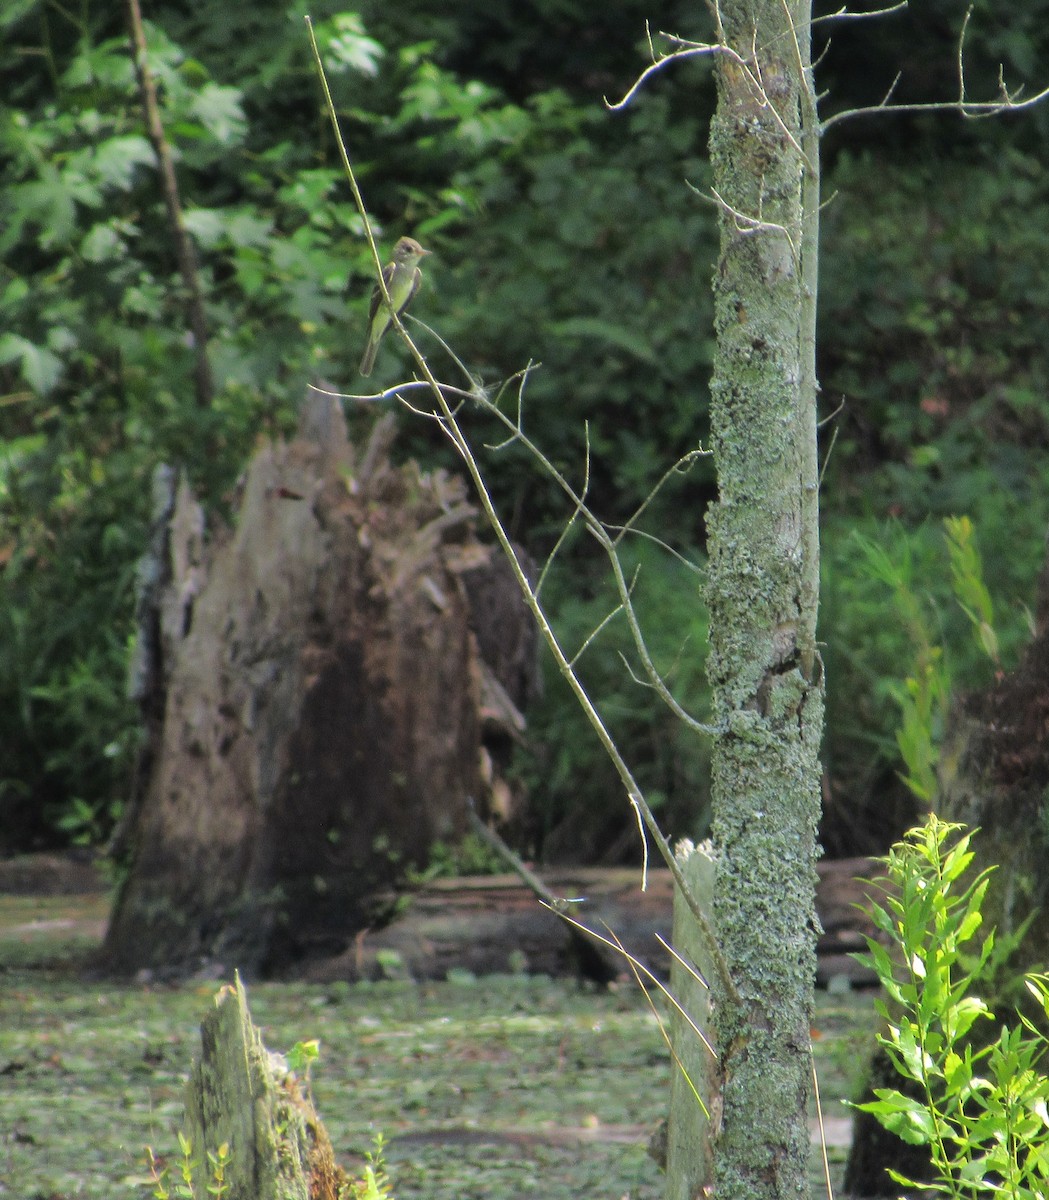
<point>368,361</point>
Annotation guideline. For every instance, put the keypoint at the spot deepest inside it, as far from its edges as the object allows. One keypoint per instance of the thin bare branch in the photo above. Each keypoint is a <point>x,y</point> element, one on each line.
<point>185,252</point>
<point>562,538</point>
<point>745,224</point>
<point>609,545</point>
<point>821,56</point>
<point>831,415</point>
<point>961,56</point>
<point>647,822</point>
<point>583,944</point>
<point>750,68</point>
<point>973,110</point>
<point>830,449</point>
<point>348,169</point>
<point>605,621</point>
<point>691,50</point>
<point>823,1132</point>
<point>666,1036</point>
<point>656,681</point>
<point>683,464</point>
<point>1007,101</point>
<point>843,14</point>
<point>686,963</point>
<point>394,392</point>
<point>615,944</point>
<point>622,530</point>
<point>570,524</point>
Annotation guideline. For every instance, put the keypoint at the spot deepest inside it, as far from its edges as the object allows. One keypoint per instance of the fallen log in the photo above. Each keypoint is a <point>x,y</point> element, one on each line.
<point>489,924</point>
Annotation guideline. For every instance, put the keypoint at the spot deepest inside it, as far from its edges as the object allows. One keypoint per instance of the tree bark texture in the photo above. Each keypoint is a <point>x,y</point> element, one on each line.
<point>762,591</point>
<point>327,710</point>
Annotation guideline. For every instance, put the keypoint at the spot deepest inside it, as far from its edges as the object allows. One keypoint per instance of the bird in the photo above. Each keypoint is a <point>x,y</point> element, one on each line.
<point>402,278</point>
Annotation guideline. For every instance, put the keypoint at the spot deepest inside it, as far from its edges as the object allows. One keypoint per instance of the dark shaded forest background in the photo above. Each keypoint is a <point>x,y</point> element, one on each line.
<point>561,233</point>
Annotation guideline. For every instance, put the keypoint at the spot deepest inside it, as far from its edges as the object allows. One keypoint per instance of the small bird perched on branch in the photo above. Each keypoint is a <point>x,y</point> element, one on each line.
<point>402,278</point>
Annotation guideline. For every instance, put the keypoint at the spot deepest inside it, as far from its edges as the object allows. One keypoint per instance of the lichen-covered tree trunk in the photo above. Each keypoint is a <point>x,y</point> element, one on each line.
<point>763,589</point>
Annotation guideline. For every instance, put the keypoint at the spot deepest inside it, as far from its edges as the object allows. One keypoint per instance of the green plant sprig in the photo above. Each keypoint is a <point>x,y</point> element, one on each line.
<point>984,1112</point>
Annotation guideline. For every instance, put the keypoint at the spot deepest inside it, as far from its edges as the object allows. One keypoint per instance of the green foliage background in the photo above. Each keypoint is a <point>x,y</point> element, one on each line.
<point>562,233</point>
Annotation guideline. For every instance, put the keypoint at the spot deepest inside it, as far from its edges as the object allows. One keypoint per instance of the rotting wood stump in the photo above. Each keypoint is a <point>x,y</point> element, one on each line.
<point>324,692</point>
<point>244,1096</point>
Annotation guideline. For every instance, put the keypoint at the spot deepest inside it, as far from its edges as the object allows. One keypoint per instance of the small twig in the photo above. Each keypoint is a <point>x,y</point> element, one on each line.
<point>594,633</point>
<point>823,1131</point>
<point>615,944</point>
<point>970,109</point>
<point>394,392</point>
<point>692,50</point>
<point>745,224</point>
<point>656,680</point>
<point>494,842</point>
<point>683,464</point>
<point>843,14</point>
<point>591,961</point>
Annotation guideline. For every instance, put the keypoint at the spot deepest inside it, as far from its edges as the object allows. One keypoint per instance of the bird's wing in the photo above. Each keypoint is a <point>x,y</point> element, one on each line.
<point>417,280</point>
<point>387,275</point>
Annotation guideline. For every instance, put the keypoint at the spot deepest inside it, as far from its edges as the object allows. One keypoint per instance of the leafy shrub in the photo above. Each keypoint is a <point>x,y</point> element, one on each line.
<point>900,647</point>
<point>983,1113</point>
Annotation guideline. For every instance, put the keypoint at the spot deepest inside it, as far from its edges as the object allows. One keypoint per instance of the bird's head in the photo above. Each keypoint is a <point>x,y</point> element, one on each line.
<point>408,251</point>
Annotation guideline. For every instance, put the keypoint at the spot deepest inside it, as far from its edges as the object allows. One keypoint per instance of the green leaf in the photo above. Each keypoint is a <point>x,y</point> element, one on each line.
<point>40,368</point>
<point>219,110</point>
<point>971,922</point>
<point>901,1115</point>
<point>245,227</point>
<point>346,46</point>
<point>989,641</point>
<point>101,243</point>
<point>958,1020</point>
<point>46,203</point>
<point>207,225</point>
<point>303,1055</point>
<point>957,1072</point>
<point>116,160</point>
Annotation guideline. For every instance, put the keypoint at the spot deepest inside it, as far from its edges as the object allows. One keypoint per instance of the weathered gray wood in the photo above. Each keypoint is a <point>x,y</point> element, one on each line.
<point>690,1161</point>
<point>241,1094</point>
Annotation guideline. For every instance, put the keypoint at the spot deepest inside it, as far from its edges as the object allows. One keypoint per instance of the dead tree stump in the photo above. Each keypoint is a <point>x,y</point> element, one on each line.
<point>242,1096</point>
<point>691,1132</point>
<point>324,710</point>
